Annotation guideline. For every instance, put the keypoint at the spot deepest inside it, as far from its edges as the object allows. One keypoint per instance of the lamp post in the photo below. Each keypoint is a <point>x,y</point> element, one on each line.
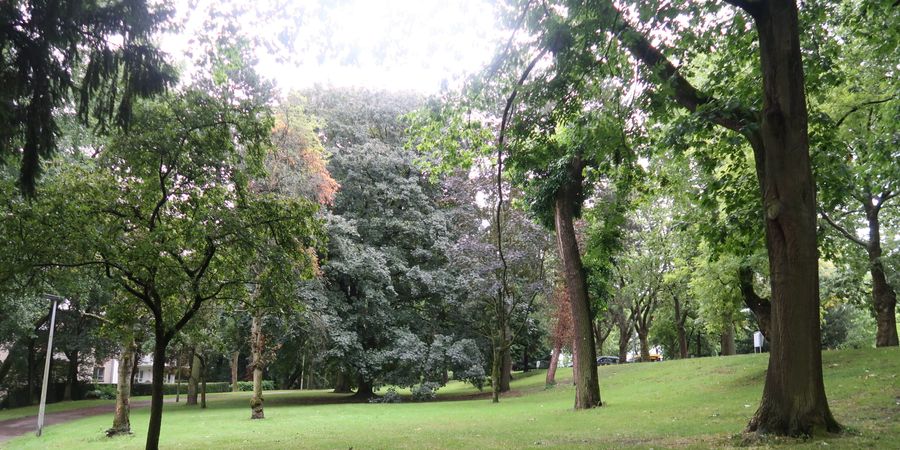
<point>43,406</point>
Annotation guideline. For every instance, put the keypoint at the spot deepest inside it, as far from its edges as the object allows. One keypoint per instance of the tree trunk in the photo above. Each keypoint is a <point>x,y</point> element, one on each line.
<point>496,363</point>
<point>257,346</point>
<point>364,391</point>
<point>506,368</point>
<point>202,383</point>
<point>727,340</point>
<point>884,299</point>
<point>177,378</point>
<point>680,318</point>
<point>793,401</point>
<point>122,418</point>
<point>587,391</point>
<point>235,360</point>
<point>645,345</point>
<point>156,401</point>
<point>761,307</point>
<point>525,361</point>
<point>194,379</point>
<point>341,383</point>
<point>72,376</point>
<point>624,339</point>
<point>600,336</point>
<point>551,370</point>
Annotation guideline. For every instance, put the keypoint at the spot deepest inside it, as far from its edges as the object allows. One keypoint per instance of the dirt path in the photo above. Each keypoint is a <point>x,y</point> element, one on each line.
<point>23,425</point>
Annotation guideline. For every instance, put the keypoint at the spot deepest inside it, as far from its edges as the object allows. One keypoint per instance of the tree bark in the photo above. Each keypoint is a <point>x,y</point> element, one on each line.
<point>761,307</point>
<point>496,363</point>
<point>342,383</point>
<point>122,418</point>
<point>257,346</point>
<point>506,368</point>
<point>235,359</point>
<point>364,390</point>
<point>554,360</point>
<point>156,401</point>
<point>624,336</point>
<point>727,340</point>
<point>72,376</point>
<point>884,299</point>
<point>793,401</point>
<point>202,383</point>
<point>194,379</point>
<point>680,319</point>
<point>587,390</point>
<point>645,345</point>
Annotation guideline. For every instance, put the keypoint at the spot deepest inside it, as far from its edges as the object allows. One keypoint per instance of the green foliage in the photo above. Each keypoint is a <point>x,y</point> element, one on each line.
<point>96,56</point>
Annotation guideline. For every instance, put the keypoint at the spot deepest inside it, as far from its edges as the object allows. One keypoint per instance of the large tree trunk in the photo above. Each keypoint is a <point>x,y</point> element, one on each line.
<point>554,360</point>
<point>235,360</point>
<point>364,390</point>
<point>884,299</point>
<point>122,418</point>
<point>156,400</point>
<point>680,318</point>
<point>645,344</point>
<point>342,382</point>
<point>793,401</point>
<point>194,379</point>
<point>257,346</point>
<point>624,338</point>
<point>761,307</point>
<point>587,390</point>
<point>727,340</point>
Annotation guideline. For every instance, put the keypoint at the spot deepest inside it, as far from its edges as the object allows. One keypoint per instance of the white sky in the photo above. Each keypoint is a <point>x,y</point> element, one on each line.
<point>387,44</point>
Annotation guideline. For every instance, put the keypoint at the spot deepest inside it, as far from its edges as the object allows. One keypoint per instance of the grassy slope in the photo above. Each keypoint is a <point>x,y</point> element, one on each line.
<point>692,403</point>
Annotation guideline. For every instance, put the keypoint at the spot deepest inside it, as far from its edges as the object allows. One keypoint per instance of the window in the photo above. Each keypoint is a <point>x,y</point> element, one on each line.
<point>99,372</point>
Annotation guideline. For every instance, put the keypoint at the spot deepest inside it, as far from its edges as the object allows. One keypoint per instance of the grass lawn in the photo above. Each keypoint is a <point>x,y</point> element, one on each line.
<point>697,403</point>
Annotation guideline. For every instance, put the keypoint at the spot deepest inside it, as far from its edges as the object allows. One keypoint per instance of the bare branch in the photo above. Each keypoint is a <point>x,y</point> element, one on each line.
<point>861,106</point>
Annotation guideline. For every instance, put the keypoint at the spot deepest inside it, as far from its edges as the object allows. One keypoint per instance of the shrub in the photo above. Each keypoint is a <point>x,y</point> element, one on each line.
<point>425,391</point>
<point>391,396</point>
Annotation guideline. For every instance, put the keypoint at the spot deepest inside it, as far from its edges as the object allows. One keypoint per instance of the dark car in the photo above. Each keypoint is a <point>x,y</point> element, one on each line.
<point>606,360</point>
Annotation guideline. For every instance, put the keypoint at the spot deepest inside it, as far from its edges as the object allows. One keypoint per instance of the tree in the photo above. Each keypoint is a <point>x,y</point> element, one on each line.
<point>778,136</point>
<point>45,46</point>
<point>857,171</point>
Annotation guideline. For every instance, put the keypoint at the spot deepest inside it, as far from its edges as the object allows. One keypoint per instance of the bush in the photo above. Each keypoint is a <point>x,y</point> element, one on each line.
<point>102,392</point>
<point>425,391</point>
<point>247,386</point>
<point>391,396</point>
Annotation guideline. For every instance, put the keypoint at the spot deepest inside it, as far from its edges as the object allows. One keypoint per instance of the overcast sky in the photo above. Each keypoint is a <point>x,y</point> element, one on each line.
<point>396,45</point>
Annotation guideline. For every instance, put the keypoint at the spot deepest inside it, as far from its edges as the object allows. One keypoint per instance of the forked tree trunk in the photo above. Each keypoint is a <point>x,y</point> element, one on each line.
<point>257,346</point>
<point>194,379</point>
<point>793,401</point>
<point>551,370</point>
<point>122,418</point>
<point>235,360</point>
<point>645,345</point>
<point>587,390</point>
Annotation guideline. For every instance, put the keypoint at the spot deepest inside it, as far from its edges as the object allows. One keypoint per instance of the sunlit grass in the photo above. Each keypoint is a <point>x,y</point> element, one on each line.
<point>694,403</point>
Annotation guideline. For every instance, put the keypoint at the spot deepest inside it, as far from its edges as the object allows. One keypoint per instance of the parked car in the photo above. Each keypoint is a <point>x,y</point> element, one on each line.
<point>606,360</point>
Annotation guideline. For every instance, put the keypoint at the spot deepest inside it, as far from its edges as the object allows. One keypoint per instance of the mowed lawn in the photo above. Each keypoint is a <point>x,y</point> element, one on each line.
<point>696,403</point>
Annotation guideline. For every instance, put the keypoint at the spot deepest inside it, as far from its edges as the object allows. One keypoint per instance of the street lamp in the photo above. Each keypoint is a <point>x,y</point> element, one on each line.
<point>56,299</point>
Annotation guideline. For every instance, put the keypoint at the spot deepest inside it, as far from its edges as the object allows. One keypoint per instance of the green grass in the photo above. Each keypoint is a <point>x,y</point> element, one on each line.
<point>698,403</point>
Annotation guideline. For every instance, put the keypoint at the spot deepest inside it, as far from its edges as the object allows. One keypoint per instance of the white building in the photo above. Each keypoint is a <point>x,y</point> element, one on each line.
<point>109,372</point>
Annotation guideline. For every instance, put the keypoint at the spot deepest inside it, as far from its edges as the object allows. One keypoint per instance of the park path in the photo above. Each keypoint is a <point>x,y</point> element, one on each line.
<point>23,425</point>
